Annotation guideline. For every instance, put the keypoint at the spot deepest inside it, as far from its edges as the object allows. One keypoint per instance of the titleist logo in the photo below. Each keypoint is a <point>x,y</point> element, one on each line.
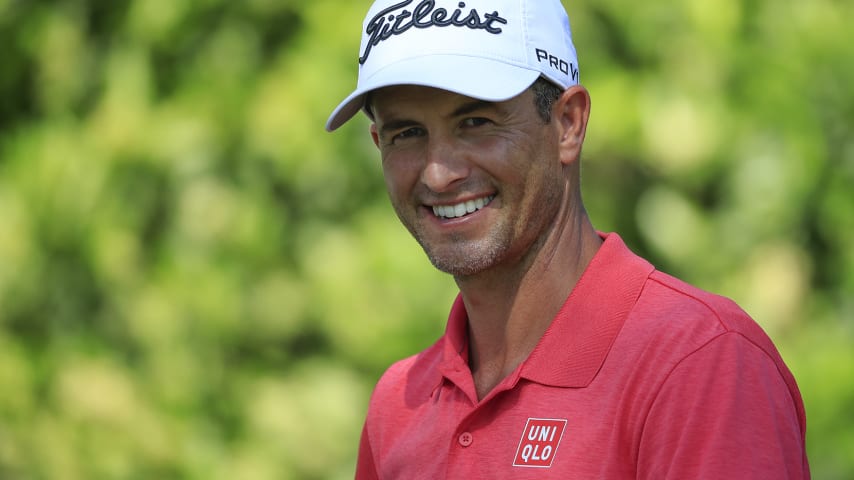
<point>395,20</point>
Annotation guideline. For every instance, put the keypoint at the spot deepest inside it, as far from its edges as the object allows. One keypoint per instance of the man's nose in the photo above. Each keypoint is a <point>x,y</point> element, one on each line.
<point>445,165</point>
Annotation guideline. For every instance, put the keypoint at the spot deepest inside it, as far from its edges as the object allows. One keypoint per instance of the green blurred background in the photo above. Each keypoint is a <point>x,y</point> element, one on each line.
<point>198,282</point>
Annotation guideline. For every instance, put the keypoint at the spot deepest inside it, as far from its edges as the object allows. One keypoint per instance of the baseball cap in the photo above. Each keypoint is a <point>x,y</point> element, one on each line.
<point>491,50</point>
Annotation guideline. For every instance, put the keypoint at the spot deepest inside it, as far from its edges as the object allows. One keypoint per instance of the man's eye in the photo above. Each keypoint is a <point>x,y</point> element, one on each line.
<point>408,133</point>
<point>475,122</point>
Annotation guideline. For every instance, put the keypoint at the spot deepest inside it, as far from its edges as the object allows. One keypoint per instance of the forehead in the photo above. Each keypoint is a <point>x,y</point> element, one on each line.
<point>400,99</point>
<point>399,96</point>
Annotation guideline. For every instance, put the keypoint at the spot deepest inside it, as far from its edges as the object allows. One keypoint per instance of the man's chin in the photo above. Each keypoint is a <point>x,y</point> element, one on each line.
<point>463,262</point>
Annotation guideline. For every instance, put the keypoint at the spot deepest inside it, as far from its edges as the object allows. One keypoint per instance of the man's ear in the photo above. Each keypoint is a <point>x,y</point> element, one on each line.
<point>375,135</point>
<point>571,112</point>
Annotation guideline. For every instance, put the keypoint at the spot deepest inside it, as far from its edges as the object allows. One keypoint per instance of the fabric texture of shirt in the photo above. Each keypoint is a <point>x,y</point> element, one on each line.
<point>639,376</point>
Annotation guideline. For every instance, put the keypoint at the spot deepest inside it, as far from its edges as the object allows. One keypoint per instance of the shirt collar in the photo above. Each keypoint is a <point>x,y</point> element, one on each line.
<point>455,349</point>
<point>575,345</point>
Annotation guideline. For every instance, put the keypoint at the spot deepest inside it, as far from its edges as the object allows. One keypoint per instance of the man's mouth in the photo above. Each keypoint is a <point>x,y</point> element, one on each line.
<point>461,209</point>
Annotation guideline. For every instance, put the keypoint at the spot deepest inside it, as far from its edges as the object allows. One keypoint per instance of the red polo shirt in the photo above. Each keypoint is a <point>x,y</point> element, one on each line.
<point>638,376</point>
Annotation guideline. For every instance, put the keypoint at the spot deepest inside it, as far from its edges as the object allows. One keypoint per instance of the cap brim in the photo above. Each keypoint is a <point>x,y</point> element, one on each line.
<point>475,77</point>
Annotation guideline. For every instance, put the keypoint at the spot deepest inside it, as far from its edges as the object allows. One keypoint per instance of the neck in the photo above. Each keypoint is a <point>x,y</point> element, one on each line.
<point>510,308</point>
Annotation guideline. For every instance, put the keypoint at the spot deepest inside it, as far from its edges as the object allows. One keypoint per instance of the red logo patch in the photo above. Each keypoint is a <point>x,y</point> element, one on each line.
<point>539,442</point>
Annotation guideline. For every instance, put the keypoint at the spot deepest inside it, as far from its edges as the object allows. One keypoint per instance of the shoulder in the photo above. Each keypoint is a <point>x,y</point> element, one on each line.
<point>699,333</point>
<point>721,375</point>
<point>674,305</point>
<point>675,323</point>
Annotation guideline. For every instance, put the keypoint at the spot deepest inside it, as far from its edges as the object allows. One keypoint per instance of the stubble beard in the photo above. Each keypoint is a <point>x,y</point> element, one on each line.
<point>463,257</point>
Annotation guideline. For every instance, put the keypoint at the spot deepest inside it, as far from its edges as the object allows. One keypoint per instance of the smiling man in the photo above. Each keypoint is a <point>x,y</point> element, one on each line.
<point>565,355</point>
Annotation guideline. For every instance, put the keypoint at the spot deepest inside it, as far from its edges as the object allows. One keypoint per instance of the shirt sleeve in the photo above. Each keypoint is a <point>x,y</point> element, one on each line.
<point>365,467</point>
<point>724,411</point>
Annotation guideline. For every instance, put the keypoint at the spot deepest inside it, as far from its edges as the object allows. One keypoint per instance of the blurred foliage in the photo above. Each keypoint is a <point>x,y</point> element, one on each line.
<point>197,282</point>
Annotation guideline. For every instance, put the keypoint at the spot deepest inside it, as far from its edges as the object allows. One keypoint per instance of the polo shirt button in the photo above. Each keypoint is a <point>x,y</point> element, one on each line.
<point>465,439</point>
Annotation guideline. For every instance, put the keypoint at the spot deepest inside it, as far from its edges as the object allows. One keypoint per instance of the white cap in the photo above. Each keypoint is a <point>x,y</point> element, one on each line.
<point>491,50</point>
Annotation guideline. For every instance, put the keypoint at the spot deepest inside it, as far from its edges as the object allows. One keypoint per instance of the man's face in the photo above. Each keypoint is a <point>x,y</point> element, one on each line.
<point>476,183</point>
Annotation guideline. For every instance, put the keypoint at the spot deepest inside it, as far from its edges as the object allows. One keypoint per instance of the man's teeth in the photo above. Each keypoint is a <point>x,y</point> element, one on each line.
<point>461,209</point>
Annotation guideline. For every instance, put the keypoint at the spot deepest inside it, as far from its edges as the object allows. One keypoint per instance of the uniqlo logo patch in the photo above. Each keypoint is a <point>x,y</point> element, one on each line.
<point>539,442</point>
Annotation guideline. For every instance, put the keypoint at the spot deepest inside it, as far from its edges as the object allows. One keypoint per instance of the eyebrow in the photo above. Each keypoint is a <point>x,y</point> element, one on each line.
<point>473,106</point>
<point>394,125</point>
<point>464,109</point>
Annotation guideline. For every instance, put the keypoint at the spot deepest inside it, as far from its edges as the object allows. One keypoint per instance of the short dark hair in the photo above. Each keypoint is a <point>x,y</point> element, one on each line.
<point>545,95</point>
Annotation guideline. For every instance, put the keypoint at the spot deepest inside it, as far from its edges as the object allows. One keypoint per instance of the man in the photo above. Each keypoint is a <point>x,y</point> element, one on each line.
<point>565,355</point>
